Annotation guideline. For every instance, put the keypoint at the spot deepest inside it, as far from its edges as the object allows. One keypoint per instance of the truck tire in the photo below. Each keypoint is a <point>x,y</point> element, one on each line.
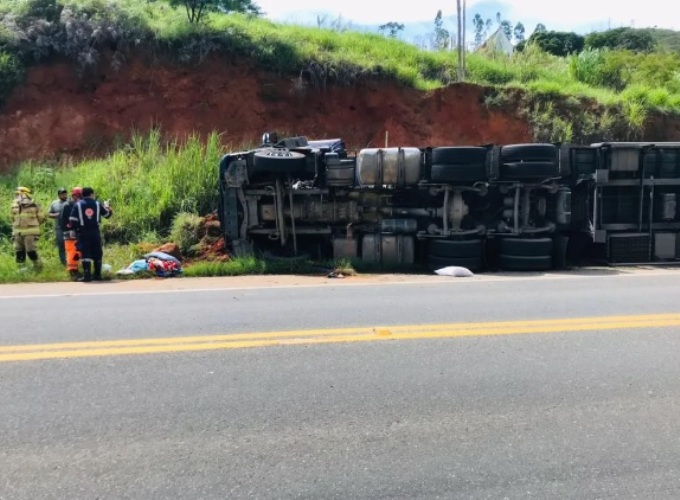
<point>462,155</point>
<point>526,247</point>
<point>456,248</point>
<point>529,170</point>
<point>278,161</point>
<point>472,263</point>
<point>458,164</point>
<point>529,152</point>
<point>517,263</point>
<point>447,174</point>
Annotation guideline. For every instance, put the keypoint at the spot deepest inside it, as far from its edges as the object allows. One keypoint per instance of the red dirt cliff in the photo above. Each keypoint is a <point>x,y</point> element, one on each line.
<point>55,113</point>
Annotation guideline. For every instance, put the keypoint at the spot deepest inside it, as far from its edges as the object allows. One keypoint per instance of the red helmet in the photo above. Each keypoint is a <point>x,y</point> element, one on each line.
<point>77,191</point>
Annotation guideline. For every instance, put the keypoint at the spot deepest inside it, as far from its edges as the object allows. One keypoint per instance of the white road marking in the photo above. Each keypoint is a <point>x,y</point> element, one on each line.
<point>325,284</point>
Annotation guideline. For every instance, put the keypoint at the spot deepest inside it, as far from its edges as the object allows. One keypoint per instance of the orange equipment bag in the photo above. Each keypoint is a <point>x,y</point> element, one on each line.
<point>72,254</point>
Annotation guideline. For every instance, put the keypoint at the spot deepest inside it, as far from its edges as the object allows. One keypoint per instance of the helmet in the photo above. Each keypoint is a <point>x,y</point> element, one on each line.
<point>77,191</point>
<point>22,190</point>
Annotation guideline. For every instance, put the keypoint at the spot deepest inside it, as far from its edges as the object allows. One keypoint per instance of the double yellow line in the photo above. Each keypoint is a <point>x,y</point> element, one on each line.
<point>326,336</point>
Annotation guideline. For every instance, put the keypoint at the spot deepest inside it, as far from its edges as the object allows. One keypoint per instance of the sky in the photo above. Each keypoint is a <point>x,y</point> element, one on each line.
<point>576,15</point>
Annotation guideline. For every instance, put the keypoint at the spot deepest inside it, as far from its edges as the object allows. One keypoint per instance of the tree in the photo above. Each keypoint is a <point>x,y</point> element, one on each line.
<point>478,23</point>
<point>487,28</point>
<point>622,39</point>
<point>197,9</point>
<point>441,35</point>
<point>506,27</point>
<point>392,29</point>
<point>540,28</point>
<point>557,43</point>
<point>340,25</point>
<point>518,32</point>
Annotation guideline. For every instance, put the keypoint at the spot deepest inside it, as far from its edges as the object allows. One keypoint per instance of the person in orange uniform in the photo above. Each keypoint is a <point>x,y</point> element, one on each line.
<point>70,237</point>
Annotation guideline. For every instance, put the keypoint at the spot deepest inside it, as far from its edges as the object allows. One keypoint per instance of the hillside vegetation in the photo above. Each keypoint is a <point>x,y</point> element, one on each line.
<point>91,32</point>
<point>600,93</point>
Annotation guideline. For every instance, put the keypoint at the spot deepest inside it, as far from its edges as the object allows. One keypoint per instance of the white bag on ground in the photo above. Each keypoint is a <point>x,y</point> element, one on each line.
<point>456,271</point>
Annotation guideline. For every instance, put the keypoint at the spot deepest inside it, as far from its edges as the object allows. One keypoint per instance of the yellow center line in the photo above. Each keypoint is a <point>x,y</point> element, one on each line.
<point>195,339</point>
<point>333,335</point>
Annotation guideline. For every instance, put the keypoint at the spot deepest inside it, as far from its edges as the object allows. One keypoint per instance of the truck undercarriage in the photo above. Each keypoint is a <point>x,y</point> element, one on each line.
<point>523,207</point>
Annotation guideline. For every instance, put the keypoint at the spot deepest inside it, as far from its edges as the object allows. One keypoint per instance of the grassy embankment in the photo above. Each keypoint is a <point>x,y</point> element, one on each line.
<point>150,183</point>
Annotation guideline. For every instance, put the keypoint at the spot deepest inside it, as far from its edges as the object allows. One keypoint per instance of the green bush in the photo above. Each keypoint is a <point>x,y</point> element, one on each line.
<point>186,231</point>
<point>621,39</point>
<point>487,71</point>
<point>557,43</point>
<point>11,74</point>
<point>598,68</point>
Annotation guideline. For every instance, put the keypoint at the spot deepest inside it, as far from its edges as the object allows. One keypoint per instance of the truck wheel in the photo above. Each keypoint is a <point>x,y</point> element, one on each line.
<point>462,155</point>
<point>458,164</point>
<point>472,263</point>
<point>447,174</point>
<point>517,263</point>
<point>456,248</point>
<point>529,152</point>
<point>529,170</point>
<point>278,161</point>
<point>526,247</point>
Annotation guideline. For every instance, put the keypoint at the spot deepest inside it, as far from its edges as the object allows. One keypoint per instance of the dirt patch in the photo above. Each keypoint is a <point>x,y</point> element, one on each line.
<point>56,115</point>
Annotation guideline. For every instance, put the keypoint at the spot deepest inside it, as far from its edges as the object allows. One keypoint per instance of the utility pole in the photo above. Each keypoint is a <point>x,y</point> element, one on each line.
<point>459,18</point>
<point>464,44</point>
<point>460,45</point>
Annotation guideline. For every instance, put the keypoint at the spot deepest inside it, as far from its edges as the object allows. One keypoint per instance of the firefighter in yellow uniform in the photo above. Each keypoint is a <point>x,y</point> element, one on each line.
<point>26,219</point>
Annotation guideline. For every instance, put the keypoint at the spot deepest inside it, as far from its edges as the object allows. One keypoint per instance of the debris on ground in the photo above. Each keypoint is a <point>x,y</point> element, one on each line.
<point>170,249</point>
<point>158,264</point>
<point>211,247</point>
<point>455,271</point>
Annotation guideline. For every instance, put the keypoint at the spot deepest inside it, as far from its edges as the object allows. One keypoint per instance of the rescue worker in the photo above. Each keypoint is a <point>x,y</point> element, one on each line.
<point>26,219</point>
<point>86,216</point>
<point>70,237</point>
<point>54,213</point>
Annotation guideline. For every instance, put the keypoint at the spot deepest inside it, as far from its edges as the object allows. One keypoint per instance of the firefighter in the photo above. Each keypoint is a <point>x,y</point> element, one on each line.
<point>26,219</point>
<point>54,212</point>
<point>85,218</point>
<point>70,237</point>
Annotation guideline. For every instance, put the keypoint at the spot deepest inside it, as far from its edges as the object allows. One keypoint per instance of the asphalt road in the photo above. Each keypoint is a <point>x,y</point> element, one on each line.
<point>575,410</point>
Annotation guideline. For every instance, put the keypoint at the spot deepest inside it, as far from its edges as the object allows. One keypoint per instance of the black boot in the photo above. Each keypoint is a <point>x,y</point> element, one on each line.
<point>87,272</point>
<point>37,265</point>
<point>20,256</point>
<point>97,270</point>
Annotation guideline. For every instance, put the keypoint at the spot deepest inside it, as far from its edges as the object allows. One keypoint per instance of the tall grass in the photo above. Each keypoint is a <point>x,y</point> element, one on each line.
<point>147,182</point>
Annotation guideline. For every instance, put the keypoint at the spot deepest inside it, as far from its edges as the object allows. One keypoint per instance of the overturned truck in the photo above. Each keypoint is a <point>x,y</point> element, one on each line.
<point>517,207</point>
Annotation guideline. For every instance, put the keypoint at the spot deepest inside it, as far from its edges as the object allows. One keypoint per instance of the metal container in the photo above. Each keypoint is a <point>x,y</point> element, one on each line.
<point>398,167</point>
<point>666,206</point>
<point>625,159</point>
<point>345,248</point>
<point>563,206</point>
<point>665,246</point>
<point>386,249</point>
<point>339,173</point>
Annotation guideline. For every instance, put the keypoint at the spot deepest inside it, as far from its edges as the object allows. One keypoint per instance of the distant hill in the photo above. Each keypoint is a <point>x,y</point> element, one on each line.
<point>667,39</point>
<point>416,32</point>
<point>419,32</point>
